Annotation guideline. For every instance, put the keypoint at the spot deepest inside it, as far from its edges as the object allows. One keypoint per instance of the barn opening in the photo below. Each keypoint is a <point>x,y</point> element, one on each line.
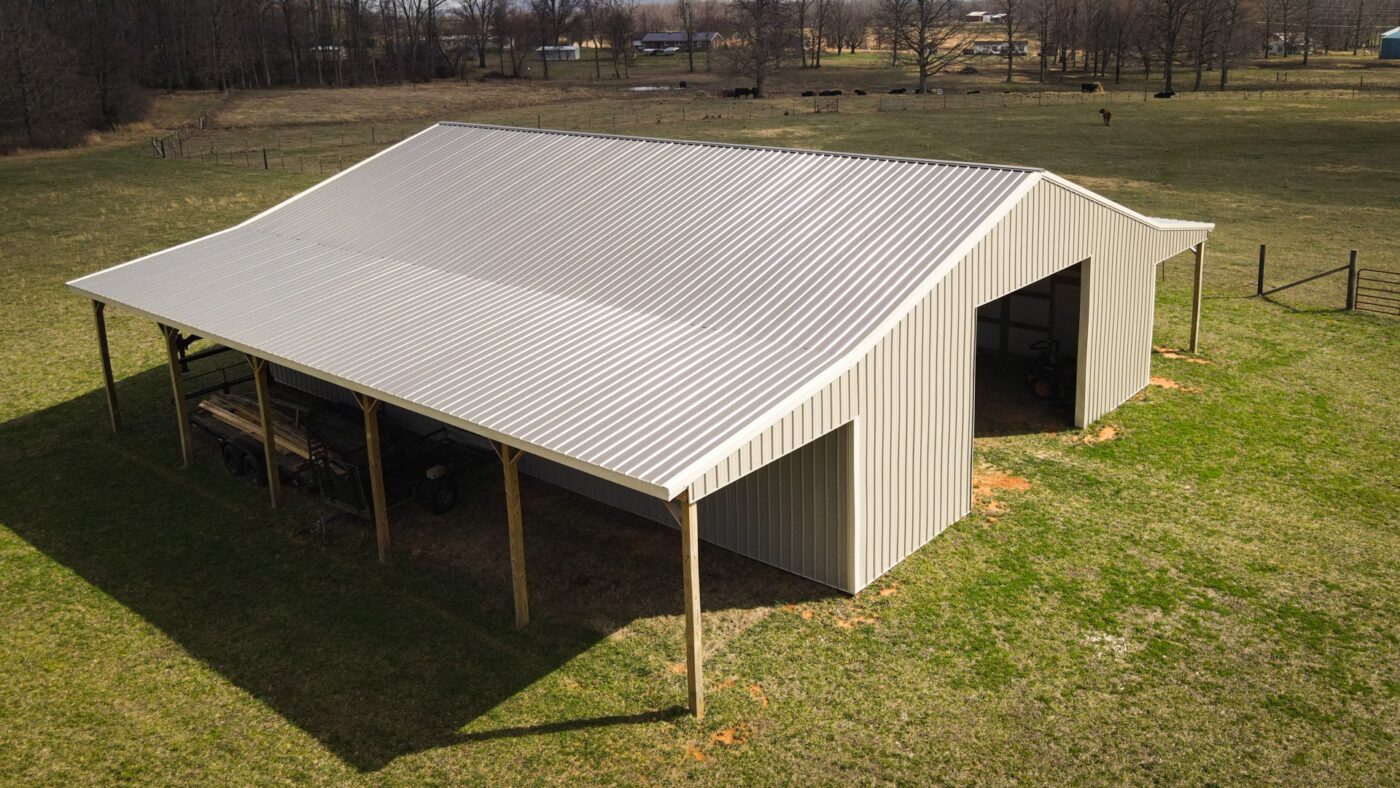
<point>1027,357</point>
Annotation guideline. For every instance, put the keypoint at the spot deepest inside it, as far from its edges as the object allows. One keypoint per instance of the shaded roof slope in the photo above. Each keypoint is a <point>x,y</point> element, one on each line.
<point>550,289</point>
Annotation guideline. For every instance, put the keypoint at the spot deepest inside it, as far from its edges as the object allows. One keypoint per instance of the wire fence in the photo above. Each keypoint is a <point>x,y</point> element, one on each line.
<point>326,150</point>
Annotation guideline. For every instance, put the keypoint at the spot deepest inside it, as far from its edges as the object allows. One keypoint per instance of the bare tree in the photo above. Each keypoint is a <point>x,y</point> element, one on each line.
<point>855,18</point>
<point>1228,42</point>
<point>1170,19</point>
<point>930,36</point>
<point>1010,25</point>
<point>891,18</point>
<point>620,20</point>
<point>762,36</point>
<point>1207,21</point>
<point>478,17</point>
<point>1309,9</point>
<point>554,18</point>
<point>685,14</point>
<point>821,19</point>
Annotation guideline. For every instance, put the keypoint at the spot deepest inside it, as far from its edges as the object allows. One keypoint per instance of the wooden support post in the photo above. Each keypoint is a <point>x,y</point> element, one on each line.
<point>1351,282</point>
<point>1263,255</point>
<point>690,570</point>
<point>269,435</point>
<point>371,407</point>
<point>510,459</point>
<point>1200,250</point>
<point>172,352</point>
<point>98,309</point>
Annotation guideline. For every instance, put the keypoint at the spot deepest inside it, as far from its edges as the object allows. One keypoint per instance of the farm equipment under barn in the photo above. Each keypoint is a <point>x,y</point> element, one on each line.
<point>322,447</point>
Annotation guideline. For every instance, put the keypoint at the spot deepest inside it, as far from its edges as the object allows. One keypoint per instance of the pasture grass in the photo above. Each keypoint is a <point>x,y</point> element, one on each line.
<point>1208,596</point>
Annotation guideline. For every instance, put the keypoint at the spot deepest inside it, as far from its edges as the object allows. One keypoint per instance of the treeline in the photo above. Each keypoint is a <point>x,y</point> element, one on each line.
<point>69,66</point>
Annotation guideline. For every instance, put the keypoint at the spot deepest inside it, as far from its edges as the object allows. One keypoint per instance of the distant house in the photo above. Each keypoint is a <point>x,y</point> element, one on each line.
<point>1018,48</point>
<point>570,52</point>
<point>1283,47</point>
<point>984,17</point>
<point>699,40</point>
<point>1390,45</point>
<point>325,52</point>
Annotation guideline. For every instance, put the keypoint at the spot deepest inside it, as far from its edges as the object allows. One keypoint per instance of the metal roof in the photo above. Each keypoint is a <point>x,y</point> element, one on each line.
<point>546,289</point>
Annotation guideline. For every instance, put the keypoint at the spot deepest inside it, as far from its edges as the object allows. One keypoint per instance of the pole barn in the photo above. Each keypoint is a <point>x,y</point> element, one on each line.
<point>775,351</point>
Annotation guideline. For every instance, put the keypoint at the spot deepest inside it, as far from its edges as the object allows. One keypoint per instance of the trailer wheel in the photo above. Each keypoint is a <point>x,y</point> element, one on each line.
<point>254,470</point>
<point>233,458</point>
<point>442,496</point>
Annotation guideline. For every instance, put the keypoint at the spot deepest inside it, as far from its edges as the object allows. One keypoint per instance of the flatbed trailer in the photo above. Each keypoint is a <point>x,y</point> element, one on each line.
<point>321,446</point>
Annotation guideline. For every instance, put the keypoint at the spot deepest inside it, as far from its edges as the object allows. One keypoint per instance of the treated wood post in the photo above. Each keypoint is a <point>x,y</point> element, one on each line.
<point>172,353</point>
<point>510,458</point>
<point>1351,282</point>
<point>269,434</point>
<point>98,309</point>
<point>690,570</point>
<point>371,407</point>
<point>1263,252</point>
<point>1200,250</point>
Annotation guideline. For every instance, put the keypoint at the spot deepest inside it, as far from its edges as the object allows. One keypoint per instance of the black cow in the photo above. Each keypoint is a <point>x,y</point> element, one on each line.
<point>742,92</point>
<point>897,91</point>
<point>1090,87</point>
<point>860,92</point>
<point>829,93</point>
<point>1164,94</point>
<point>808,93</point>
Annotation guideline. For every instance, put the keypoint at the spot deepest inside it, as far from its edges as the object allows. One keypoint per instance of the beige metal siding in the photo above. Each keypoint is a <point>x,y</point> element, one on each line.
<point>793,513</point>
<point>1053,228</point>
<point>911,395</point>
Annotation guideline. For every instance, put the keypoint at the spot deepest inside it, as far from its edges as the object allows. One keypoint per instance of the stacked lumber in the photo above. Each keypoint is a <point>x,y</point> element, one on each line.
<point>241,413</point>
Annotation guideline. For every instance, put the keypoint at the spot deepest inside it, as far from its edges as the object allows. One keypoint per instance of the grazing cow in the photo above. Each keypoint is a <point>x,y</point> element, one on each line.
<point>1090,87</point>
<point>970,92</point>
<point>860,92</point>
<point>742,92</point>
<point>1164,94</point>
<point>808,93</point>
<point>682,83</point>
<point>897,91</point>
<point>1107,116</point>
<point>829,93</point>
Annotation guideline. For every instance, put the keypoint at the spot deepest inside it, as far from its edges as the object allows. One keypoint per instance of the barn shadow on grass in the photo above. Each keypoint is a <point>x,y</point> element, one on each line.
<point>374,662</point>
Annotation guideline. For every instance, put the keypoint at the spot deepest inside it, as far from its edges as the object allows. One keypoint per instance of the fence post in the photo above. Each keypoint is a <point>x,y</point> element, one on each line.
<point>264,158</point>
<point>1351,282</point>
<point>1263,251</point>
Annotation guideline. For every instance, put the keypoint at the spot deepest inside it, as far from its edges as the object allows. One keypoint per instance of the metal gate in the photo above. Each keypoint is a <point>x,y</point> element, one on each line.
<point>1377,291</point>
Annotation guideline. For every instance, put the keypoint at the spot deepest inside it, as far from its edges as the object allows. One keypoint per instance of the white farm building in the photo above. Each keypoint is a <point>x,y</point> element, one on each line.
<point>777,350</point>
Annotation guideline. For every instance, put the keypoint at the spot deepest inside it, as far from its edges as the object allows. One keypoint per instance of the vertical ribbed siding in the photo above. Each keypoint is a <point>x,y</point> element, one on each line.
<point>918,427</point>
<point>913,392</point>
<point>1054,228</point>
<point>793,513</point>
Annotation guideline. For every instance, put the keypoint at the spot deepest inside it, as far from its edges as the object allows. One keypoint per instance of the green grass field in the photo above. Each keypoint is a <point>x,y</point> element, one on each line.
<point>1209,596</point>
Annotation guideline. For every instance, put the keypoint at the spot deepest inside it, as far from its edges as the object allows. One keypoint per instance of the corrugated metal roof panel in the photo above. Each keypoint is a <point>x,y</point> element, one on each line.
<point>621,304</point>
